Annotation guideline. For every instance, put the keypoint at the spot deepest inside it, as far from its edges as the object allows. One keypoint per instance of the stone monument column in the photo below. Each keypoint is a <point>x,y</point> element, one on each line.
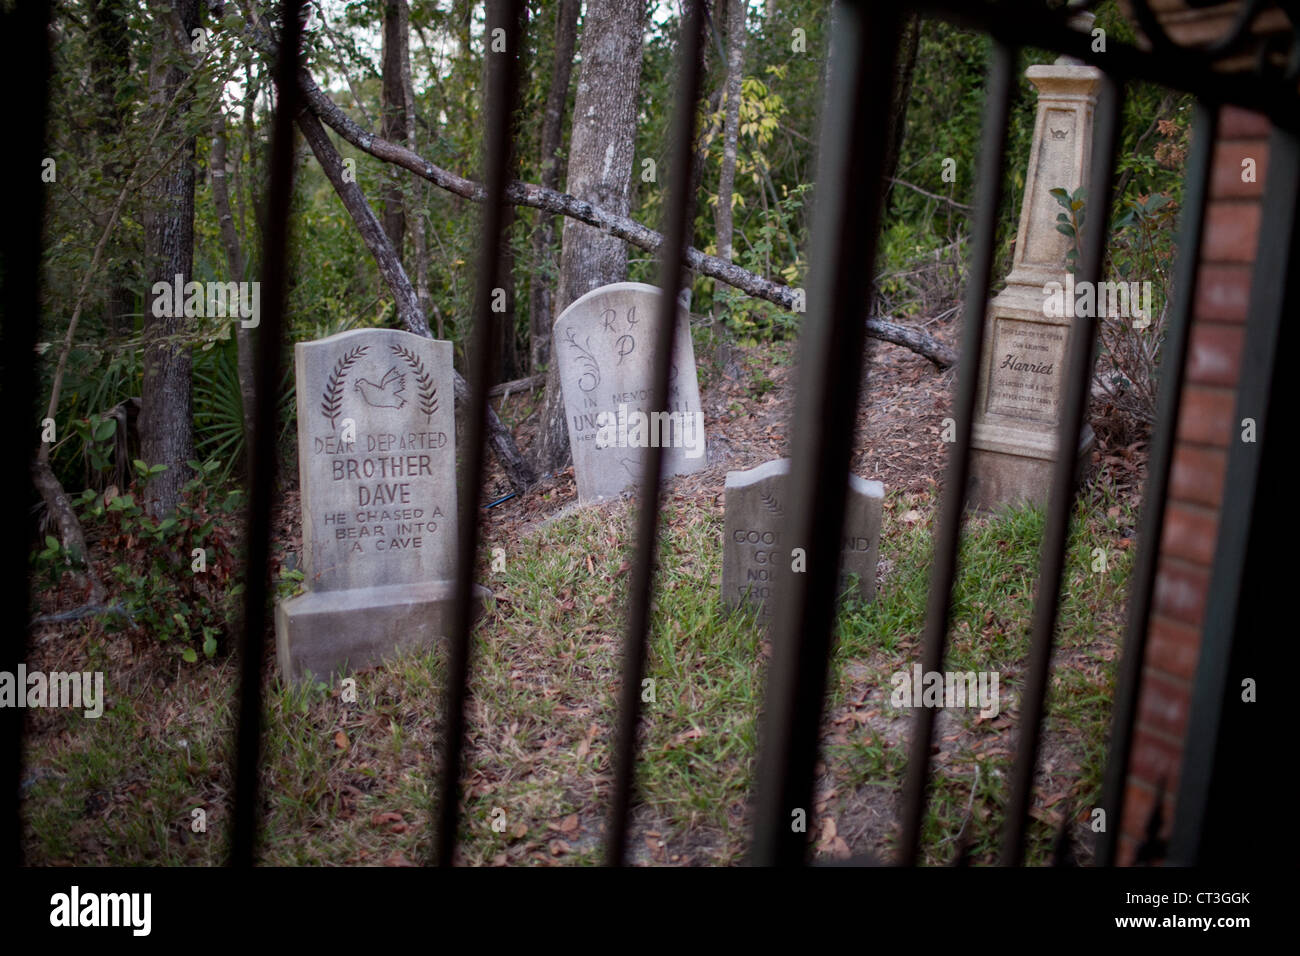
<point>1017,407</point>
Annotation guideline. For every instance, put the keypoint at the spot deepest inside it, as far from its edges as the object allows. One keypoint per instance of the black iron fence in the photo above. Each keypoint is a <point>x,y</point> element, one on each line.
<point>832,341</point>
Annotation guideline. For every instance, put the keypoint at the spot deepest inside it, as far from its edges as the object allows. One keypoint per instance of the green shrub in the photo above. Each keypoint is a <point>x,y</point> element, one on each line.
<point>175,579</point>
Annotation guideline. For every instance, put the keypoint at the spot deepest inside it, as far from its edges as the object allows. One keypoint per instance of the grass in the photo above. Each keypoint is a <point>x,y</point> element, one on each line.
<point>350,783</point>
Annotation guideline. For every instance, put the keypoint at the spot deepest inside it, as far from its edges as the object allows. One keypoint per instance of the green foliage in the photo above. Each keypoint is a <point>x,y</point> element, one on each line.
<point>1070,222</point>
<point>153,573</point>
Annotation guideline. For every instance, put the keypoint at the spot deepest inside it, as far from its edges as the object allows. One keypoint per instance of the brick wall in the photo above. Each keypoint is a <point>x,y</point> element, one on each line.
<point>1205,429</point>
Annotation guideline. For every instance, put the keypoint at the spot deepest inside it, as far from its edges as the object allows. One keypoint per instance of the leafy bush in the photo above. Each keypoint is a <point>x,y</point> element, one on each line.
<point>176,578</point>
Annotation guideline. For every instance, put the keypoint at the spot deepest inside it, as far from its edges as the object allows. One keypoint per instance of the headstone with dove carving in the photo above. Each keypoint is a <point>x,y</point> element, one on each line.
<point>755,541</point>
<point>377,475</point>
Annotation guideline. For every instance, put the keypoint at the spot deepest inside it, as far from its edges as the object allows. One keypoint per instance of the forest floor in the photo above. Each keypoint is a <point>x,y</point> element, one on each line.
<point>350,783</point>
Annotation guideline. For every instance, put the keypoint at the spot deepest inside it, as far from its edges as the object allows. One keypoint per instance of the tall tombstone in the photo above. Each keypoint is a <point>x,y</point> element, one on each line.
<point>1021,387</point>
<point>755,544</point>
<point>604,343</point>
<point>377,476</point>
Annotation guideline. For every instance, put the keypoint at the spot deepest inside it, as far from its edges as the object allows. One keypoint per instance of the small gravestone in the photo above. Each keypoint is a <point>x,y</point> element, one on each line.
<point>377,476</point>
<point>604,347</point>
<point>755,547</point>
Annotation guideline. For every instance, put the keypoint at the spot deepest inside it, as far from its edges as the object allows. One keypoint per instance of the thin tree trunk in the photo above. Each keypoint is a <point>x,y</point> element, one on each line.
<point>110,51</point>
<point>415,195</point>
<point>541,301</point>
<point>518,471</point>
<point>236,267</point>
<point>166,420</point>
<point>601,152</point>
<point>392,123</point>
<point>731,125</point>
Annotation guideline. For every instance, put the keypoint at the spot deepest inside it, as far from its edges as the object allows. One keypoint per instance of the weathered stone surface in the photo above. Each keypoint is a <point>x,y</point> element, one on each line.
<point>604,346</point>
<point>755,542</point>
<point>1021,386</point>
<point>377,476</point>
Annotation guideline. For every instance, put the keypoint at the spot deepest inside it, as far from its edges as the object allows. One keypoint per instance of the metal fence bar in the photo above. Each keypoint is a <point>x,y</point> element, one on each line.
<point>25,48</point>
<point>846,217</point>
<point>1056,537</point>
<point>677,216</point>
<point>275,282</point>
<point>1160,462</point>
<point>1272,292</point>
<point>943,568</point>
<point>503,75</point>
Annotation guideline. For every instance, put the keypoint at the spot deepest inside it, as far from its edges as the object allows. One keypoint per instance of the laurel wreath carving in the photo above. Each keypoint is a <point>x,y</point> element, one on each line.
<point>771,504</point>
<point>591,369</point>
<point>332,398</point>
<point>423,380</point>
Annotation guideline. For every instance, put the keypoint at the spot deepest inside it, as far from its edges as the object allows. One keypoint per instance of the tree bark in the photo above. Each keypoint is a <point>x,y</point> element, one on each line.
<point>518,471</point>
<point>731,126</point>
<point>541,302</point>
<point>392,108</point>
<point>414,197</point>
<point>601,152</point>
<point>166,420</point>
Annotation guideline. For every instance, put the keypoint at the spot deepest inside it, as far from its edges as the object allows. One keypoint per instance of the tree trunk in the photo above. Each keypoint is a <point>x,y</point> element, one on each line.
<point>541,301</point>
<point>416,192</point>
<point>601,152</point>
<point>236,268</point>
<point>392,123</point>
<point>110,64</point>
<point>731,126</point>
<point>166,420</point>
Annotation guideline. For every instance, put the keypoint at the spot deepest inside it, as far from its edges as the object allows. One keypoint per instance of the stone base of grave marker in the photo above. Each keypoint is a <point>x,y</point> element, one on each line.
<point>755,546</point>
<point>320,633</point>
<point>1014,435</point>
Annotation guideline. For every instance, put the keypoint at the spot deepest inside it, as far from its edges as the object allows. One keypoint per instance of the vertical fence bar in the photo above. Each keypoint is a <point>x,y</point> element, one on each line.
<point>275,282</point>
<point>26,50</point>
<point>503,74</point>
<point>672,273</point>
<point>1142,582</point>
<point>1228,618</point>
<point>847,218</point>
<point>997,107</point>
<point>1056,536</point>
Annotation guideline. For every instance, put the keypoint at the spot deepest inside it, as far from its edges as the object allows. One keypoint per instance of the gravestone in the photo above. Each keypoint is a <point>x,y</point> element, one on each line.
<point>754,545</point>
<point>1021,386</point>
<point>604,346</point>
<point>377,477</point>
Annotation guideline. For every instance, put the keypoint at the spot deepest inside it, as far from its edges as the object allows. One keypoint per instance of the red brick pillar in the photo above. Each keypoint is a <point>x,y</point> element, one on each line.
<point>1195,494</point>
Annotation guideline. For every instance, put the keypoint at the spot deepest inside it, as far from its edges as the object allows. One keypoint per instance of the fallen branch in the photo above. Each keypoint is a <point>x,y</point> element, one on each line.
<point>518,385</point>
<point>930,195</point>
<point>911,337</point>
<point>86,610</point>
<point>562,204</point>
